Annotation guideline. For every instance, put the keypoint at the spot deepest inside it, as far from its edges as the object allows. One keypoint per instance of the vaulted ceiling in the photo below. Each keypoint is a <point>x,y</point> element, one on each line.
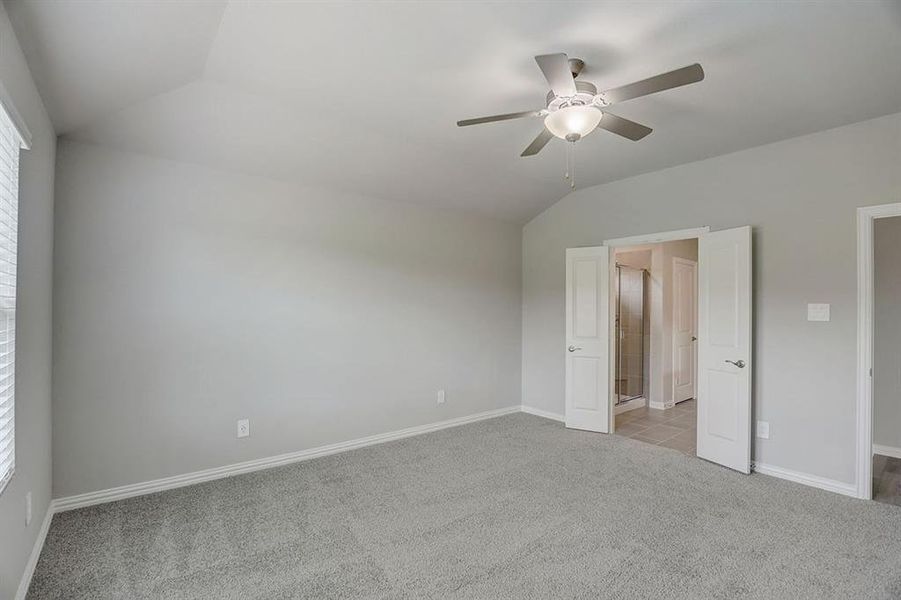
<point>364,96</point>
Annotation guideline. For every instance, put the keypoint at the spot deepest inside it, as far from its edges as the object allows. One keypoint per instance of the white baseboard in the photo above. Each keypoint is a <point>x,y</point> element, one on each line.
<point>831,485</point>
<point>32,563</point>
<point>630,405</point>
<point>543,413</point>
<point>659,405</point>
<point>887,450</point>
<point>168,483</point>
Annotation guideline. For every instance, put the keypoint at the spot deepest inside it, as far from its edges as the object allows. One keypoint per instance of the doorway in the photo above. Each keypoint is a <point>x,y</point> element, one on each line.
<point>654,351</point>
<point>721,371</point>
<point>886,377</point>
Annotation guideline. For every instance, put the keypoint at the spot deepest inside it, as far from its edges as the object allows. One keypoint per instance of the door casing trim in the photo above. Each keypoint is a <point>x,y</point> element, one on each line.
<point>866,216</point>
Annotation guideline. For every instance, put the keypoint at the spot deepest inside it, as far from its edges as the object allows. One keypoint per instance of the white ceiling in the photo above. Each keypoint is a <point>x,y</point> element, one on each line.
<point>363,96</point>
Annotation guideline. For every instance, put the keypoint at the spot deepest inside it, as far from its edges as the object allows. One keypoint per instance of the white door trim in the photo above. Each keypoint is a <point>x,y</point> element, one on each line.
<point>866,215</point>
<point>656,238</point>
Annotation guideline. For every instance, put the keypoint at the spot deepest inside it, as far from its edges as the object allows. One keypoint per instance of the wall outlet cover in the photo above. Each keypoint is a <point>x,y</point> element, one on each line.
<point>27,509</point>
<point>763,430</point>
<point>818,312</point>
<point>243,428</point>
<point>441,397</point>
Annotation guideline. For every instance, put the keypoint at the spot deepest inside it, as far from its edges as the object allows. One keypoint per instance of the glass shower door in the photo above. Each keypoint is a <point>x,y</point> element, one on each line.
<point>630,318</point>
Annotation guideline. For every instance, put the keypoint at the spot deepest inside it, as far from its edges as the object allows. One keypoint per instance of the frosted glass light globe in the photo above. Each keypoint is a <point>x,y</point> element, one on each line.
<point>573,122</point>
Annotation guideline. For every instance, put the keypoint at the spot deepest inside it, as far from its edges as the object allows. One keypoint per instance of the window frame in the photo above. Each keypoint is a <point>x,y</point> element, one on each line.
<point>17,125</point>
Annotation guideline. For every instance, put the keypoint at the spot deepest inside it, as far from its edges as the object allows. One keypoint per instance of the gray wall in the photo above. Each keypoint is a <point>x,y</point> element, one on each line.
<point>188,298</point>
<point>33,331</point>
<point>887,338</point>
<point>800,196</point>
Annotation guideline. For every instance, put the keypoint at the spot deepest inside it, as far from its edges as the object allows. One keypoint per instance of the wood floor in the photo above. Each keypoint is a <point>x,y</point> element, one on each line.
<point>887,479</point>
<point>674,428</point>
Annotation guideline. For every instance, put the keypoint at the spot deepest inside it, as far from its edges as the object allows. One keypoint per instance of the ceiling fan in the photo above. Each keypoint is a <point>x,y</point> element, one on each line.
<point>575,108</point>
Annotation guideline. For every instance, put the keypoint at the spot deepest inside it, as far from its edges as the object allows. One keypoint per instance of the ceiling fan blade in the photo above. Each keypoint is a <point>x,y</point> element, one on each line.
<point>539,142</point>
<point>624,127</point>
<point>493,118</point>
<point>557,72</point>
<point>658,83</point>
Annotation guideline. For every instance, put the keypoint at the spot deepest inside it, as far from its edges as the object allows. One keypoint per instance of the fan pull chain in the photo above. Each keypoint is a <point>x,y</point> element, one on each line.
<point>570,172</point>
<point>572,160</point>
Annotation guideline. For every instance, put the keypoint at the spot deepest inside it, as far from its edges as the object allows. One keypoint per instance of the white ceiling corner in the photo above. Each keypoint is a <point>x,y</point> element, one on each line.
<point>93,58</point>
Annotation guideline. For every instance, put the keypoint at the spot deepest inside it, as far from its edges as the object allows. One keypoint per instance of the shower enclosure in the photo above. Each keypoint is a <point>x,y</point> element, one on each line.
<point>630,330</point>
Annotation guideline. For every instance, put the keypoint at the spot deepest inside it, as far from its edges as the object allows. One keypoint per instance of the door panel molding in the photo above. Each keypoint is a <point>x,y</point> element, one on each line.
<point>724,348</point>
<point>587,343</point>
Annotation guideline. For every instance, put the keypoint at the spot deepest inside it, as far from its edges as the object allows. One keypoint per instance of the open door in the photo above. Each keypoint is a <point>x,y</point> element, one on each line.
<point>587,339</point>
<point>724,348</point>
<point>685,329</point>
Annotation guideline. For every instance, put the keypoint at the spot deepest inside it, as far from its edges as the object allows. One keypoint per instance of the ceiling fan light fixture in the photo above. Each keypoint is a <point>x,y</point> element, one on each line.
<point>573,122</point>
<point>573,109</point>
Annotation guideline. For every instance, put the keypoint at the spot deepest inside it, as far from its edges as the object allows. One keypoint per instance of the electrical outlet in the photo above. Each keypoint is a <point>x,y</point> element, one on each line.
<point>441,397</point>
<point>243,428</point>
<point>27,509</point>
<point>763,430</point>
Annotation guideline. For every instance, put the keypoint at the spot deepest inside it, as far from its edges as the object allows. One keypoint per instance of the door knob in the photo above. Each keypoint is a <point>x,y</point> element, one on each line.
<point>738,363</point>
<point>573,348</point>
<point>694,339</point>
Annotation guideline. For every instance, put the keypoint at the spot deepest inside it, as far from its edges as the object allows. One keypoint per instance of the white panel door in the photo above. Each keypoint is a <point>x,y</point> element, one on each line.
<point>587,339</point>
<point>724,348</point>
<point>685,355</point>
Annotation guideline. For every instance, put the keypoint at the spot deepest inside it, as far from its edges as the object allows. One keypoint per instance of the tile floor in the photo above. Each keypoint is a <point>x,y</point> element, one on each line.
<point>887,479</point>
<point>674,428</point>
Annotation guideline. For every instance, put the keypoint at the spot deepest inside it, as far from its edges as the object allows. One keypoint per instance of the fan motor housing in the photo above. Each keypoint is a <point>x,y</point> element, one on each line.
<point>585,93</point>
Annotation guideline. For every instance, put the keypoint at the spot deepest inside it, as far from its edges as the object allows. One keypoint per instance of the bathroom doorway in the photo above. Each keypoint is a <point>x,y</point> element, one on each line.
<point>654,306</point>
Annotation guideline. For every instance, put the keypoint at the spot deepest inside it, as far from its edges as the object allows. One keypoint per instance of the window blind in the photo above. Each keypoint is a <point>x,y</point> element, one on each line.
<point>10,142</point>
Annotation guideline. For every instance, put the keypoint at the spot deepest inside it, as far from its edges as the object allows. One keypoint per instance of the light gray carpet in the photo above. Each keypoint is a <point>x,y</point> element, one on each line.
<point>514,507</point>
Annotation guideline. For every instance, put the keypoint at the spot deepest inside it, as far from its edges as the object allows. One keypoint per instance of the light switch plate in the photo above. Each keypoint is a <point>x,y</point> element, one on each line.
<point>763,430</point>
<point>441,397</point>
<point>818,312</point>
